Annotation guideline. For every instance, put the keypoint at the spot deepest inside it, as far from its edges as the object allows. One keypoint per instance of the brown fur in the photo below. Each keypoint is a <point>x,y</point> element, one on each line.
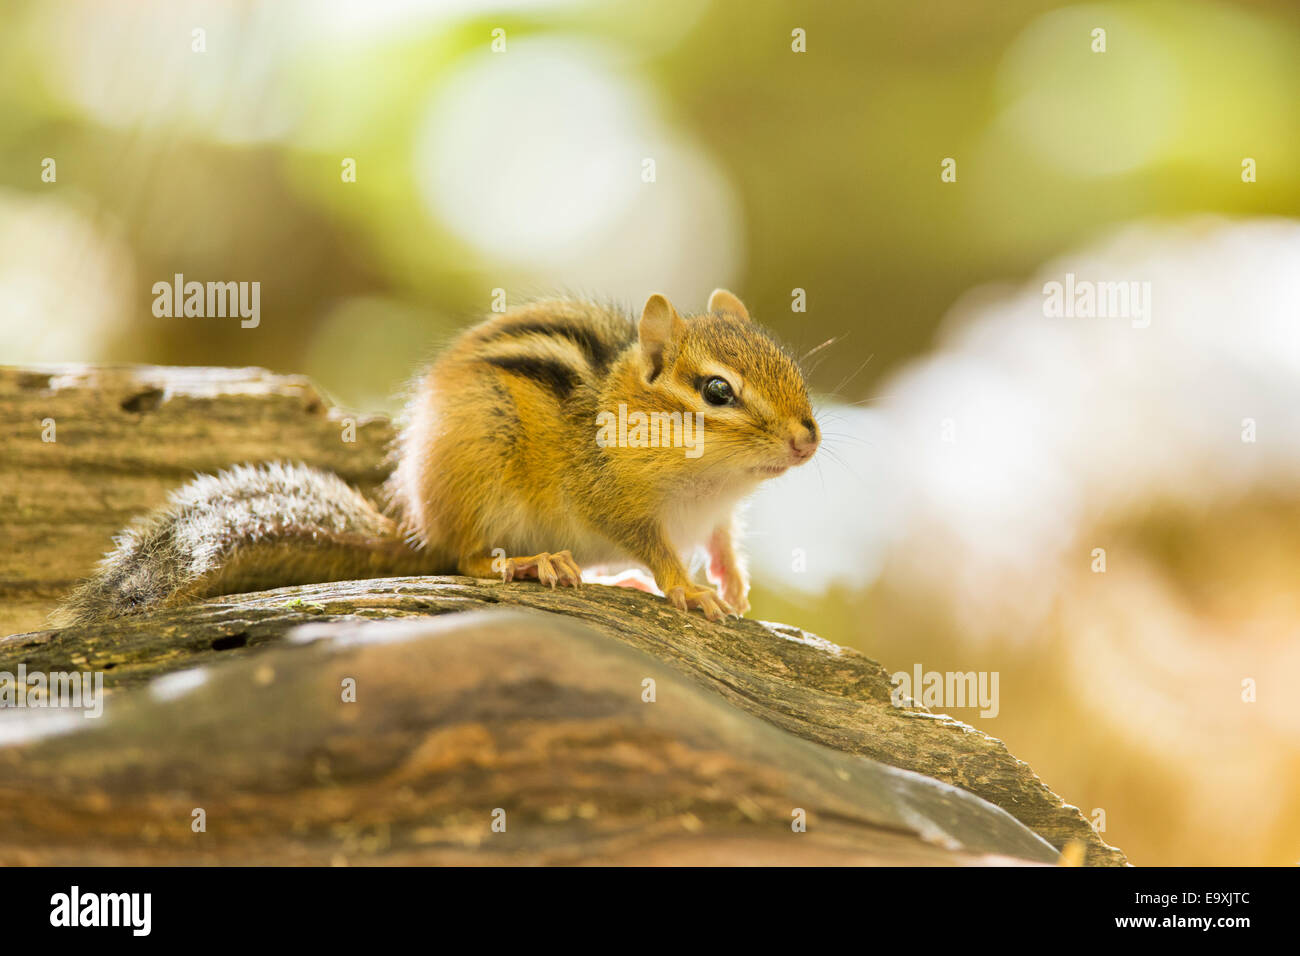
<point>498,471</point>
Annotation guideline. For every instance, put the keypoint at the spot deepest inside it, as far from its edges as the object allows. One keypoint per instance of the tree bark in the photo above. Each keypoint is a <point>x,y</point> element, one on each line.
<point>478,704</point>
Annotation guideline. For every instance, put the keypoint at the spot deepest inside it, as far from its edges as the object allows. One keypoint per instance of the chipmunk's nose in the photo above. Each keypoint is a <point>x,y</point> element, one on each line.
<point>804,441</point>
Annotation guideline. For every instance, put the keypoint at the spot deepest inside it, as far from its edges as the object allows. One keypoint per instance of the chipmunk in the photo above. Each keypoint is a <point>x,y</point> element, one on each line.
<point>498,470</point>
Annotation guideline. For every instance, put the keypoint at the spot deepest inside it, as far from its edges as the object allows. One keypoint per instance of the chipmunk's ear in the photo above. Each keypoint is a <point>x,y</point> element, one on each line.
<point>660,326</point>
<point>724,301</point>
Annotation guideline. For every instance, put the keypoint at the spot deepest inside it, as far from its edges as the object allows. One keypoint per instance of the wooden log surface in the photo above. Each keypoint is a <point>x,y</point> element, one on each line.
<point>123,436</point>
<point>531,718</point>
<point>531,702</point>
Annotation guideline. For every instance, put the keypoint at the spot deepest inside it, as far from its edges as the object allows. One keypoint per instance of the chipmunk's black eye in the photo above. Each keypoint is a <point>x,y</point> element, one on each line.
<point>717,391</point>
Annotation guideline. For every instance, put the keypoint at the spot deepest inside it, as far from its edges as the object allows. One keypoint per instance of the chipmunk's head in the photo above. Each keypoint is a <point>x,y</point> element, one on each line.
<point>750,394</point>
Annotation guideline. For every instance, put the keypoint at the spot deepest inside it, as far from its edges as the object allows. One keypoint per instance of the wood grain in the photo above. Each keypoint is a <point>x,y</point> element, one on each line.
<point>477,694</point>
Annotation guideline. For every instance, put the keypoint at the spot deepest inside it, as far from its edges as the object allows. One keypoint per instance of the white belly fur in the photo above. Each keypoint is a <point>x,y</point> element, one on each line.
<point>689,521</point>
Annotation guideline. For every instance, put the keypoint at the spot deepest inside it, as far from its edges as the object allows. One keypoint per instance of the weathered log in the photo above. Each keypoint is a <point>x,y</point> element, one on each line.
<point>122,437</point>
<point>805,686</point>
<point>527,720</point>
<point>782,706</point>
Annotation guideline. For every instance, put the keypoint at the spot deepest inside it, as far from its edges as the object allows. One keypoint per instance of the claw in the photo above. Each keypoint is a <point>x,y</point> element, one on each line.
<point>545,572</point>
<point>570,573</point>
<point>705,600</point>
<point>551,569</point>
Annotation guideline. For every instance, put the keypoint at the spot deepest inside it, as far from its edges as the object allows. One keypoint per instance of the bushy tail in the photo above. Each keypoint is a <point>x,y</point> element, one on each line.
<point>247,529</point>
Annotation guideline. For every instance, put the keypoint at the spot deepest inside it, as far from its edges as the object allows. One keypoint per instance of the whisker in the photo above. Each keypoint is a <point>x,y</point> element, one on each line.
<point>831,341</point>
<point>836,391</point>
<point>845,465</point>
<point>844,436</point>
<point>868,401</point>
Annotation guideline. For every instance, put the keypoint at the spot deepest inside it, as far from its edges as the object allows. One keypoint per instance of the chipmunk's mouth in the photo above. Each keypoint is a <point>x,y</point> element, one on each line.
<point>770,471</point>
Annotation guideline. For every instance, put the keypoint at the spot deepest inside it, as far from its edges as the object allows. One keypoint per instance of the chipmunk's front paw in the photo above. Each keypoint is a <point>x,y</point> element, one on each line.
<point>550,569</point>
<point>705,600</point>
<point>733,592</point>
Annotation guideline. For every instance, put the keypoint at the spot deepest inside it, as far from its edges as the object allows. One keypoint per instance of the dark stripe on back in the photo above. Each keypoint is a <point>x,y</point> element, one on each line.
<point>549,372</point>
<point>598,351</point>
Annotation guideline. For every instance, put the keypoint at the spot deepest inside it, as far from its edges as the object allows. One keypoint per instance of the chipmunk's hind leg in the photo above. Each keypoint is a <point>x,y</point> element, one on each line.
<point>550,568</point>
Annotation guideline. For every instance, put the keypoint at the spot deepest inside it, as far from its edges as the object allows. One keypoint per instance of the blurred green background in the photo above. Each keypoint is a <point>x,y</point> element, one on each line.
<point>817,171</point>
<point>523,169</point>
